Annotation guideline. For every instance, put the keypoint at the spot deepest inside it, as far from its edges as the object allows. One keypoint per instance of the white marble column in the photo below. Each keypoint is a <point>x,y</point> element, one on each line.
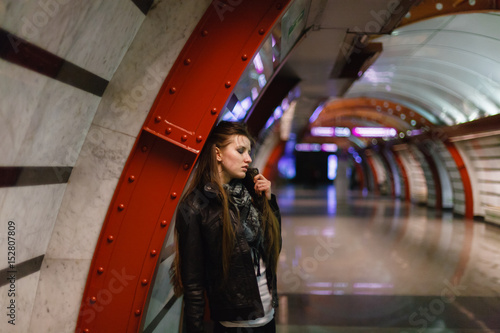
<point>119,117</point>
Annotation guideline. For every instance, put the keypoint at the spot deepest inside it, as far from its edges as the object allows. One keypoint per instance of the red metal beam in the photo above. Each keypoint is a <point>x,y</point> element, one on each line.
<point>362,179</point>
<point>428,9</point>
<point>464,175</point>
<point>186,108</point>
<point>376,187</point>
<point>435,176</point>
<point>271,169</point>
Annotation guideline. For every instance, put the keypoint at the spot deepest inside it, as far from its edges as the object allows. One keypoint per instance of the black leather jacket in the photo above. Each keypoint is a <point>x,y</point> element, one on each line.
<point>199,227</point>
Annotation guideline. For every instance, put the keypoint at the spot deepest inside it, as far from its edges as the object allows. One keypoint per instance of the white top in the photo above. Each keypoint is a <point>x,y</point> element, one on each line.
<point>266,299</point>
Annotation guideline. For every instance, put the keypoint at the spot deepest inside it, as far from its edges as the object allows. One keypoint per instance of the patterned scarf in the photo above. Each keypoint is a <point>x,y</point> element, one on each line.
<point>249,217</point>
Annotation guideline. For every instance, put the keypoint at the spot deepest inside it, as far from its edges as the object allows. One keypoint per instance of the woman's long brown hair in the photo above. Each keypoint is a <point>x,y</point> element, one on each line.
<point>207,172</point>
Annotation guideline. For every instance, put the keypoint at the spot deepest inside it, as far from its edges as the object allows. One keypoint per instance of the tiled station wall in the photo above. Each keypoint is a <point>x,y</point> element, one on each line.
<point>427,176</point>
<point>444,163</point>
<point>483,156</point>
<point>415,176</point>
<point>383,183</point>
<point>77,79</point>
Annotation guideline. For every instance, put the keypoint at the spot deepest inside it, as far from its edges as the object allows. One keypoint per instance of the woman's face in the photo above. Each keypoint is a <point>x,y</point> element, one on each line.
<point>234,159</point>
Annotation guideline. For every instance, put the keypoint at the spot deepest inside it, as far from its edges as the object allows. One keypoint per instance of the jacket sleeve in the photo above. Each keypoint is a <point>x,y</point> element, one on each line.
<point>276,210</point>
<point>188,224</point>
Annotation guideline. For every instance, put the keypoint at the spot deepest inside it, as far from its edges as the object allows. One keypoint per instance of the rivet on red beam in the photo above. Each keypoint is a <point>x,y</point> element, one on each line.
<point>153,253</point>
<point>199,138</point>
<point>213,111</point>
<point>157,119</point>
<point>144,282</point>
<point>100,270</point>
<point>131,179</point>
<point>228,84</point>
<point>261,31</point>
<point>111,238</point>
<point>185,166</point>
<point>121,207</point>
<point>244,57</point>
<point>144,149</point>
<point>164,223</point>
<point>93,299</point>
<point>137,312</point>
<point>168,130</point>
<point>173,195</point>
<point>204,33</point>
<point>184,138</point>
<point>173,90</point>
<point>187,61</point>
<point>86,330</point>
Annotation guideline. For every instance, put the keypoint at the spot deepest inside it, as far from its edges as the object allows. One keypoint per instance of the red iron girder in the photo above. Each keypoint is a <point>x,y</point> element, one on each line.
<point>133,233</point>
<point>376,186</point>
<point>362,178</point>
<point>435,176</point>
<point>464,175</point>
<point>427,9</point>
<point>271,169</point>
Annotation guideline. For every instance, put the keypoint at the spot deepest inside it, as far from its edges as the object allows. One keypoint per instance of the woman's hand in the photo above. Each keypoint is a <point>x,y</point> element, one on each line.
<point>262,186</point>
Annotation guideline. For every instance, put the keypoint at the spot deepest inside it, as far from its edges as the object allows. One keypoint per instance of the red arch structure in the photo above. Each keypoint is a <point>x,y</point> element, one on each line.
<point>464,175</point>
<point>186,108</point>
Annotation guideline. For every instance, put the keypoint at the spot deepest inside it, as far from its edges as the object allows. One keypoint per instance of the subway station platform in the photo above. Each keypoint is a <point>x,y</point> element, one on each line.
<point>352,262</point>
<point>105,107</point>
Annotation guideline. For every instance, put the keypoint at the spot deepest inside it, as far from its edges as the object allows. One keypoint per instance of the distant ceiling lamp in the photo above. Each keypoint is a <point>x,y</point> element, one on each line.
<point>374,132</point>
<point>340,132</point>
<point>323,131</point>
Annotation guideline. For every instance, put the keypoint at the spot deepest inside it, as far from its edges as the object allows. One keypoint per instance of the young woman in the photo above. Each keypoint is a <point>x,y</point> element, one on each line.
<point>228,231</point>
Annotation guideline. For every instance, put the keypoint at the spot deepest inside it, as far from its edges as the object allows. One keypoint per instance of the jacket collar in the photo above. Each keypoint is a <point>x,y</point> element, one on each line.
<point>211,189</point>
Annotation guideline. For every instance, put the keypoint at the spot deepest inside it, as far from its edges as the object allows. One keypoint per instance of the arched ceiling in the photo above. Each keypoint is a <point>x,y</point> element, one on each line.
<point>367,112</point>
<point>447,68</point>
<point>440,63</point>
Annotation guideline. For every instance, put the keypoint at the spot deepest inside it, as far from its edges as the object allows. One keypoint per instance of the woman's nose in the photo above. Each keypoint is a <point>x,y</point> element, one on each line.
<point>248,159</point>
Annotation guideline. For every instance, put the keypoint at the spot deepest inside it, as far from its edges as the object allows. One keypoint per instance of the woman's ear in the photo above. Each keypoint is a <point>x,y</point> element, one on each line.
<point>218,154</point>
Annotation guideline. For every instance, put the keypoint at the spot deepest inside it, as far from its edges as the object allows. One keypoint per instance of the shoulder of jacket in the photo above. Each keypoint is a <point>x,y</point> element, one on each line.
<point>201,198</point>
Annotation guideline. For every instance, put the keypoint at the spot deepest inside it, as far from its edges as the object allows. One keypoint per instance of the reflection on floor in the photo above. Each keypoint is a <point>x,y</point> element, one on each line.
<point>355,263</point>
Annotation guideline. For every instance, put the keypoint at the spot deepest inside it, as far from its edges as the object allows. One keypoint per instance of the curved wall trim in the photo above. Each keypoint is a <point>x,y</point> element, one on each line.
<point>186,109</point>
<point>433,168</point>
<point>371,164</point>
<point>390,173</point>
<point>469,203</point>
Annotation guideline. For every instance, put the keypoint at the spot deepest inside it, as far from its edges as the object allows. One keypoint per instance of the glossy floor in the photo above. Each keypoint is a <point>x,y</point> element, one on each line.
<point>355,263</point>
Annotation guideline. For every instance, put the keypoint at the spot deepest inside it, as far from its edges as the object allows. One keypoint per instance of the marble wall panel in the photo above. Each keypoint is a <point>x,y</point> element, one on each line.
<point>34,211</point>
<point>25,292</point>
<point>134,87</point>
<point>89,192</point>
<point>58,296</point>
<point>92,34</point>
<point>58,126</point>
<point>20,91</point>
<point>44,122</point>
